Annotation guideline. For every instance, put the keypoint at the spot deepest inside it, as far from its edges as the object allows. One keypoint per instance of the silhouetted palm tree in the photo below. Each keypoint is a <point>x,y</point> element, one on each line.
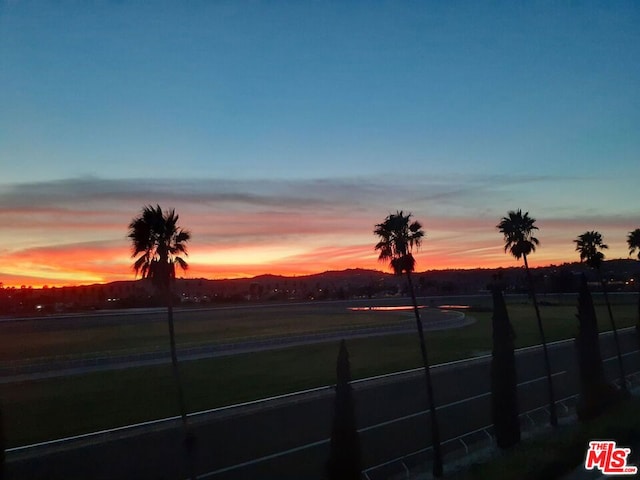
<point>518,229</point>
<point>158,243</point>
<point>589,245</point>
<point>398,237</point>
<point>633,240</point>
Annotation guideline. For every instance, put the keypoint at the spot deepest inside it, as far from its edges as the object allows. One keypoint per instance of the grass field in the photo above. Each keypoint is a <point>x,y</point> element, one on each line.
<point>53,408</point>
<point>90,335</point>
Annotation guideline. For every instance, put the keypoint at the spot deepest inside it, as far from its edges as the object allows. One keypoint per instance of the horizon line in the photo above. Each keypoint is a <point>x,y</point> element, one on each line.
<point>240,278</point>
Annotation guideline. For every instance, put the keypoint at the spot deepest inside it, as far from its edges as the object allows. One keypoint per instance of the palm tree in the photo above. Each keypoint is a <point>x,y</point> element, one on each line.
<point>590,244</point>
<point>633,240</point>
<point>518,229</point>
<point>398,237</point>
<point>158,242</point>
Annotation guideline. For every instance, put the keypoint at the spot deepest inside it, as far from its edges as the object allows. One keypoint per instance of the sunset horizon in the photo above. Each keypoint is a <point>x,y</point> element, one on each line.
<point>286,228</point>
<point>231,229</point>
<point>283,133</point>
<point>210,272</point>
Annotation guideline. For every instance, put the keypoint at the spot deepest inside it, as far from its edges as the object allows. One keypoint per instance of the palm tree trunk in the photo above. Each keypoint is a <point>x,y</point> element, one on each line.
<point>176,370</point>
<point>435,431</point>
<point>623,377</point>
<point>553,417</point>
<point>189,439</point>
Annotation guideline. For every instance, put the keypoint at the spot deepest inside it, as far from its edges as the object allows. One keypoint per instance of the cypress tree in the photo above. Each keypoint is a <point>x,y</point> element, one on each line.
<point>504,385</point>
<point>344,458</point>
<point>595,392</point>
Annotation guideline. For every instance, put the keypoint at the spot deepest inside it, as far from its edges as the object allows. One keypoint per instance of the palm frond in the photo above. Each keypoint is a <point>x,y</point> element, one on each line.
<point>157,240</point>
<point>181,263</point>
<point>633,240</point>
<point>588,245</point>
<point>517,229</point>
<point>403,264</point>
<point>398,237</point>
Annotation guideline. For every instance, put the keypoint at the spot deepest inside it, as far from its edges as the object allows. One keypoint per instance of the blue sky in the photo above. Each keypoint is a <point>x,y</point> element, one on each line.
<point>339,111</point>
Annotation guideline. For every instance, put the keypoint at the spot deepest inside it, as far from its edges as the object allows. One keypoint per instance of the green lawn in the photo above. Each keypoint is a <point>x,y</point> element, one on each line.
<point>89,336</point>
<point>54,408</point>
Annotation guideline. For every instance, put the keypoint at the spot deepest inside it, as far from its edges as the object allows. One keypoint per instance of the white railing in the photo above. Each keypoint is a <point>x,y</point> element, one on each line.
<point>484,437</point>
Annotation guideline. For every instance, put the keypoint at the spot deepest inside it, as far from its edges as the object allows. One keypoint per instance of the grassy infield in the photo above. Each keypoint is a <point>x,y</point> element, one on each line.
<point>46,409</point>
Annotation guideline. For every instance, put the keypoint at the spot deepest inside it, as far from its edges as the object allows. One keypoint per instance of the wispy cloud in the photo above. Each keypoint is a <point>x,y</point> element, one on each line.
<point>75,229</point>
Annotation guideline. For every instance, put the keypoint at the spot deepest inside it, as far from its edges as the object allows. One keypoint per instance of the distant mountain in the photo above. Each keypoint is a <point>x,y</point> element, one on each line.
<point>340,284</point>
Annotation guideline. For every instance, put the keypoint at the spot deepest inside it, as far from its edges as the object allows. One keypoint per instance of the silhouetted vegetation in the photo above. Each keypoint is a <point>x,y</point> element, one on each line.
<point>158,242</point>
<point>589,245</point>
<point>345,456</point>
<point>595,392</point>
<point>349,284</point>
<point>518,229</point>
<point>398,236</point>
<point>504,383</point>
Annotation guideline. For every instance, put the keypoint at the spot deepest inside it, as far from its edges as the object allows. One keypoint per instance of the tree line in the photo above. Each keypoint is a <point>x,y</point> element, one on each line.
<point>159,244</point>
<point>399,236</point>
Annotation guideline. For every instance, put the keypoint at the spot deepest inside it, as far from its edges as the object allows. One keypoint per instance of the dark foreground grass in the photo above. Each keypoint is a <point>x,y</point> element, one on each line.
<point>557,453</point>
<point>54,408</point>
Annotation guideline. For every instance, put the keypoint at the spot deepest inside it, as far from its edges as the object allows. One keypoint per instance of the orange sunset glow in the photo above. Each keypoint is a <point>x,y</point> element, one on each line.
<point>304,232</point>
<point>110,260</point>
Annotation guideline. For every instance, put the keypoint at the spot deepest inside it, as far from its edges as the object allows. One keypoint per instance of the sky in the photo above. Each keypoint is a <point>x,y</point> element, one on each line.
<point>283,132</point>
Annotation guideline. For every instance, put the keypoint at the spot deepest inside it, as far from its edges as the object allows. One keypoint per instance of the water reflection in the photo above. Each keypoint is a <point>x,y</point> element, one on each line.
<point>383,309</point>
<point>405,307</point>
